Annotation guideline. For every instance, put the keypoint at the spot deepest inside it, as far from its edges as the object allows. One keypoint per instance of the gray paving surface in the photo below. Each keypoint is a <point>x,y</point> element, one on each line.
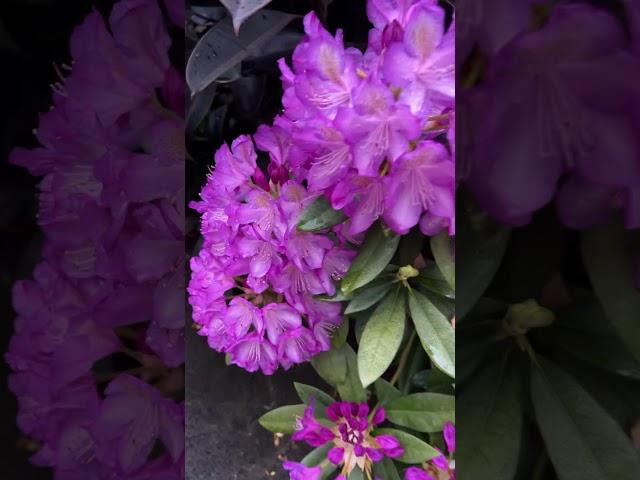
<point>223,438</point>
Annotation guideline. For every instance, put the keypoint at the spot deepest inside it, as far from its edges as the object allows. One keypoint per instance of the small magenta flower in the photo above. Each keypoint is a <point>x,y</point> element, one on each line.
<point>441,467</point>
<point>298,471</point>
<point>354,445</point>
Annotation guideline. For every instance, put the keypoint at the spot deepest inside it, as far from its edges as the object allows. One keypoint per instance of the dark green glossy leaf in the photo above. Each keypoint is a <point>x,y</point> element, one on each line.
<point>582,440</point>
<point>351,389</point>
<point>608,255</point>
<point>385,391</point>
<point>433,381</point>
<point>480,246</point>
<point>382,337</point>
<point>368,295</point>
<point>586,332</point>
<point>490,419</point>
<point>316,457</point>
<point>319,215</point>
<point>332,365</point>
<point>306,392</point>
<point>415,450</point>
<point>220,51</point>
<point>282,419</point>
<point>375,254</point>
<point>423,412</point>
<point>431,279</point>
<point>435,332</point>
<point>340,335</point>
<point>442,246</point>
<point>386,470</point>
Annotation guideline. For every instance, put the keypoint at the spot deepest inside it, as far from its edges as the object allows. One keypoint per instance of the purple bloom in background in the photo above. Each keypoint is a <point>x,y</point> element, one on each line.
<point>111,280</point>
<point>539,143</point>
<point>353,444</point>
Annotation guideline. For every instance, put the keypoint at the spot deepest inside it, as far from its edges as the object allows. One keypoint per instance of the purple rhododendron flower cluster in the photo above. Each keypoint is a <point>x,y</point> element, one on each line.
<point>253,282</point>
<point>441,467</point>
<point>353,444</point>
<point>566,128</point>
<point>111,210</point>
<point>357,128</point>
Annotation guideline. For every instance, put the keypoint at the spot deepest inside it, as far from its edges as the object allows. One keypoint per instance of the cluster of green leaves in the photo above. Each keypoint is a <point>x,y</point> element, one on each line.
<point>556,402</point>
<point>396,346</point>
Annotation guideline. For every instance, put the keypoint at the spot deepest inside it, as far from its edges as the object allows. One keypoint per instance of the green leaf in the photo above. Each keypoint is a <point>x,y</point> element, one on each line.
<point>369,295</point>
<point>306,392</point>
<point>386,469</point>
<point>385,391</point>
<point>375,254</point>
<point>582,440</point>
<point>442,246</point>
<point>282,419</point>
<point>423,412</point>
<point>415,450</point>
<point>340,335</point>
<point>584,330</point>
<point>490,419</point>
<point>319,215</point>
<point>608,256</point>
<point>435,332</point>
<point>480,245</point>
<point>332,365</point>
<point>382,337</point>
<point>338,297</point>
<point>433,381</point>
<point>317,456</point>
<point>351,389</point>
<point>356,474</point>
<point>430,278</point>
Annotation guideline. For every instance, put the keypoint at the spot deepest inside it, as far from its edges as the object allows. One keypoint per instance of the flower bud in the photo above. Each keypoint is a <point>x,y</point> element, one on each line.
<point>522,317</point>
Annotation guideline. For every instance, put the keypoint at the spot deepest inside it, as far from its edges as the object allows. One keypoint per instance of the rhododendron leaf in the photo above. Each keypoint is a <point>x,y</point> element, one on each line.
<point>584,330</point>
<point>442,246</point>
<point>375,253</point>
<point>351,389</point>
<point>240,10</point>
<point>356,474</point>
<point>282,419</point>
<point>423,412</point>
<point>480,247</point>
<point>386,469</point>
<point>385,391</point>
<point>316,456</point>
<point>220,50</point>
<point>307,392</point>
<point>369,295</point>
<point>607,253</point>
<point>319,215</point>
<point>332,365</point>
<point>415,450</point>
<point>490,420</point>
<point>382,337</point>
<point>433,381</point>
<point>430,278</point>
<point>338,297</point>
<point>340,335</point>
<point>435,332</point>
<point>582,439</point>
